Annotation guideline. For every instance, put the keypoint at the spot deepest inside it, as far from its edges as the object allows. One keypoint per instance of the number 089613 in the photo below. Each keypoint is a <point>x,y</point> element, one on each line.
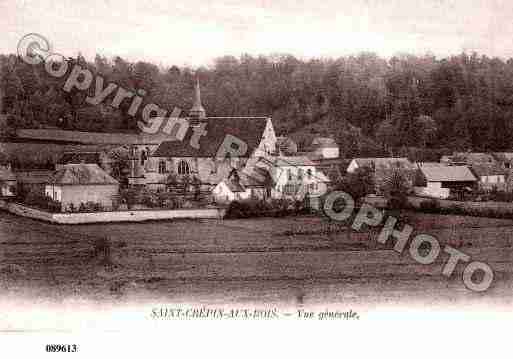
<point>61,348</point>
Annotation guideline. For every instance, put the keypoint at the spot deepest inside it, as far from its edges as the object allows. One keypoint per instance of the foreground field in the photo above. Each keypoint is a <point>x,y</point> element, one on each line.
<point>288,261</point>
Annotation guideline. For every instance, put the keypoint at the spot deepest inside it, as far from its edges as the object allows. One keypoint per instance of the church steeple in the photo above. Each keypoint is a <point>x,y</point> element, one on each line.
<point>197,111</point>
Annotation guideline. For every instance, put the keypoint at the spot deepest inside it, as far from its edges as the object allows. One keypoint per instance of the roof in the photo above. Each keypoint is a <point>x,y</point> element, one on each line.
<point>81,174</point>
<point>447,174</point>
<point>324,142</point>
<point>248,129</point>
<point>482,169</point>
<point>79,157</point>
<point>401,162</point>
<point>34,177</point>
<point>92,137</point>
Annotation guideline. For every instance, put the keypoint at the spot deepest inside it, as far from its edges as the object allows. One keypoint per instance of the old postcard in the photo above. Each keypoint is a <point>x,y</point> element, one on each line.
<point>300,177</point>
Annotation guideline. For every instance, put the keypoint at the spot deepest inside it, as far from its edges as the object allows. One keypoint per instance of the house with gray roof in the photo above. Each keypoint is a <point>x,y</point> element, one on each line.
<point>444,181</point>
<point>75,184</point>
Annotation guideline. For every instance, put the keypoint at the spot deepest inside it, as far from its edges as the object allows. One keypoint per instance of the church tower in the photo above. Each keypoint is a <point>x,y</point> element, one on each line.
<point>197,111</point>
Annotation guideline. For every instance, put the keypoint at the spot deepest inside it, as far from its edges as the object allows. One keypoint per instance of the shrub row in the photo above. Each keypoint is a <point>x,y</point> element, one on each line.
<point>433,206</point>
<point>260,208</point>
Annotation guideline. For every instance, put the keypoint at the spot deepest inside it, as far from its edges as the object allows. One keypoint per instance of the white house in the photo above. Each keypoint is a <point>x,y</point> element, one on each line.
<point>490,175</point>
<point>74,184</point>
<point>280,177</point>
<point>325,147</point>
<point>441,181</point>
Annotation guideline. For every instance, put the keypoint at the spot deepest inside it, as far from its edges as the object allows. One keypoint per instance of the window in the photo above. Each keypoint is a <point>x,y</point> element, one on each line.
<point>300,174</point>
<point>162,166</point>
<point>309,173</point>
<point>289,174</point>
<point>183,168</point>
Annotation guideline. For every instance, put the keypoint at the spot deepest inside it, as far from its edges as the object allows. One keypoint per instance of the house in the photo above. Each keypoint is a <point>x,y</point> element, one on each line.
<point>490,176</point>
<point>239,186</point>
<point>490,169</point>
<point>505,159</point>
<point>8,181</point>
<point>32,180</point>
<point>75,184</point>
<point>443,181</point>
<point>325,147</point>
<point>280,177</point>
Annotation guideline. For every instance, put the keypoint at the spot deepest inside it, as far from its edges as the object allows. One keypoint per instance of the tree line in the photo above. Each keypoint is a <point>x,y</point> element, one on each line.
<point>368,103</point>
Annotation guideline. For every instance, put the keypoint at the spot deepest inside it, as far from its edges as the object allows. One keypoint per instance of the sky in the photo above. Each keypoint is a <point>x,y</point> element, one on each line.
<point>194,32</point>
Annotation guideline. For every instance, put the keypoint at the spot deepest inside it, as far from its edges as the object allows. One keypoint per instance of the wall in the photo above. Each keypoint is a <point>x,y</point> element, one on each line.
<point>433,189</point>
<point>117,216</point>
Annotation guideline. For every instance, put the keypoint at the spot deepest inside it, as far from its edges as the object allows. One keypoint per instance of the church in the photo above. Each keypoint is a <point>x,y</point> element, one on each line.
<point>155,166</point>
<point>227,177</point>
<point>234,158</point>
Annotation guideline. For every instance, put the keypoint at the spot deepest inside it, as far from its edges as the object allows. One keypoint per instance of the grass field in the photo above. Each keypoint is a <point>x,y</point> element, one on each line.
<point>246,261</point>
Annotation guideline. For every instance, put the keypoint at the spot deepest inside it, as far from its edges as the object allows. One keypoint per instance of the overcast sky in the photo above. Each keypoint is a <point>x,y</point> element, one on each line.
<point>193,32</point>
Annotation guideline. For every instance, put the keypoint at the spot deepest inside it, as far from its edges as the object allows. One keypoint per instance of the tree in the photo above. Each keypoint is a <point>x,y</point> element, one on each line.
<point>395,187</point>
<point>359,183</point>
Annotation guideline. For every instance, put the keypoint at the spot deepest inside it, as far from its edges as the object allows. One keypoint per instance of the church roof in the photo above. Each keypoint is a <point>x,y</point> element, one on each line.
<point>197,109</point>
<point>248,129</point>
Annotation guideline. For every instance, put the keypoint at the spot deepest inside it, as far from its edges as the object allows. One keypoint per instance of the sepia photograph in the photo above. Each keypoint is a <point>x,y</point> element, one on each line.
<point>255,173</point>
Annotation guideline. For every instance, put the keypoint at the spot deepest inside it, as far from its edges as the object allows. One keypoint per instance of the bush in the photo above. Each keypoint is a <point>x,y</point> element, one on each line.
<point>431,206</point>
<point>260,208</point>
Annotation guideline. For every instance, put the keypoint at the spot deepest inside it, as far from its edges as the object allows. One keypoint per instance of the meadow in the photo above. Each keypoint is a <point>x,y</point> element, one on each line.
<point>285,261</point>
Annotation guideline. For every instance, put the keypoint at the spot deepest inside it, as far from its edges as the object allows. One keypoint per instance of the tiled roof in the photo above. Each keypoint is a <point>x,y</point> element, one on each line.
<point>248,129</point>
<point>447,174</point>
<point>81,174</point>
